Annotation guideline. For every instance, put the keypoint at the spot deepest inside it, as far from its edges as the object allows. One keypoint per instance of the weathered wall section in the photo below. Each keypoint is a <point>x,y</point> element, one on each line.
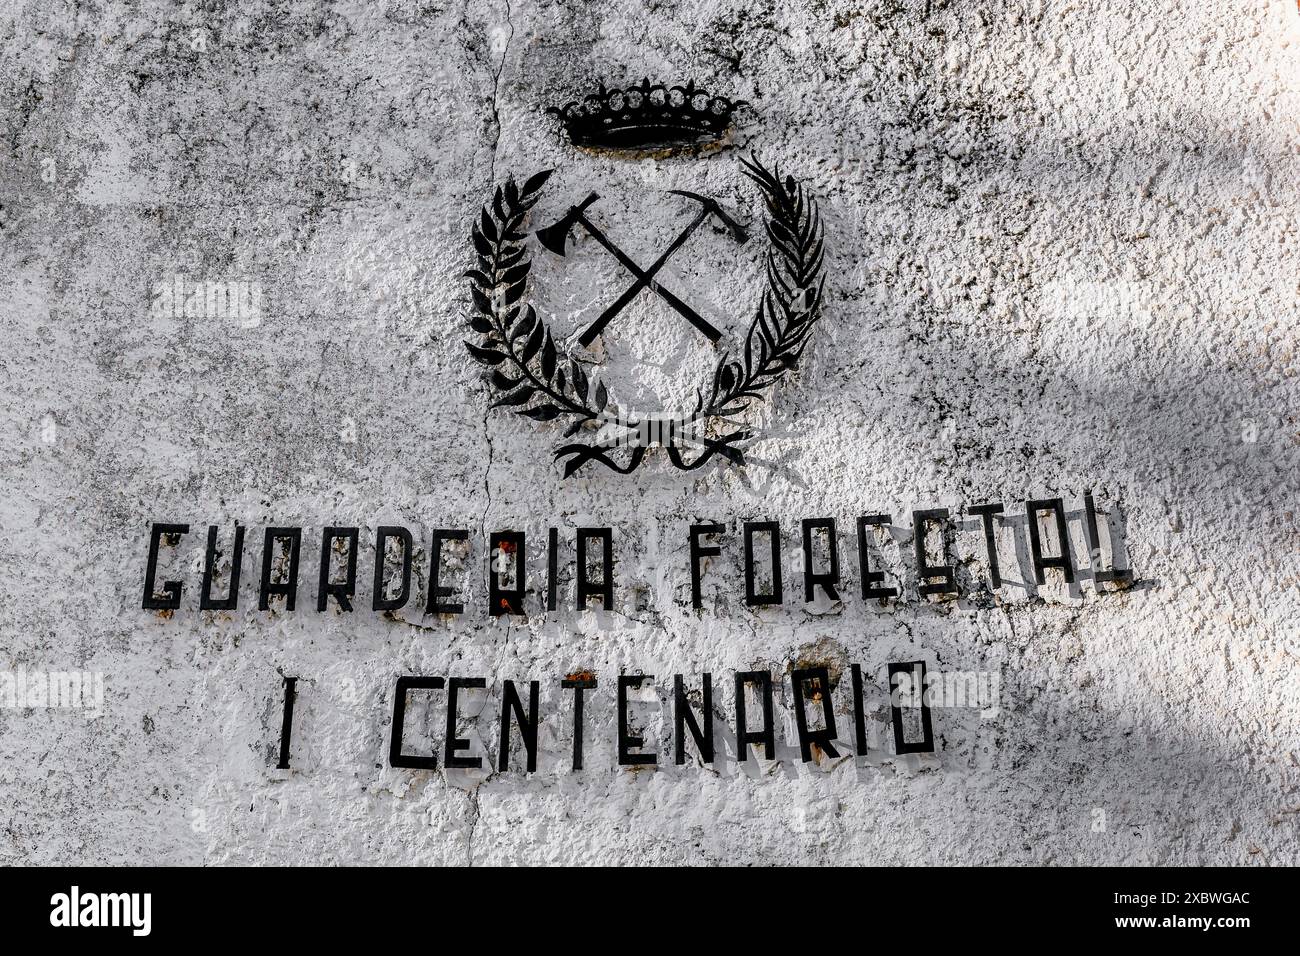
<point>1062,255</point>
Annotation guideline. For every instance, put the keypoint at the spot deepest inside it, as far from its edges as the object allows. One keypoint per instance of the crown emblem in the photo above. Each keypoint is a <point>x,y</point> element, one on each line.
<point>649,117</point>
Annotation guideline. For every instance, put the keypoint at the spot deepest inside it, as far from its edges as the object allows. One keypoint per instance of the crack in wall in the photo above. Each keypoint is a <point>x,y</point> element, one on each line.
<point>473,823</point>
<point>496,92</point>
<point>496,142</point>
<point>487,430</point>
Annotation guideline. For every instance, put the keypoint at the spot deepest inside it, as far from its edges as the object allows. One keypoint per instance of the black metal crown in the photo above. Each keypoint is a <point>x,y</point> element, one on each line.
<point>648,116</point>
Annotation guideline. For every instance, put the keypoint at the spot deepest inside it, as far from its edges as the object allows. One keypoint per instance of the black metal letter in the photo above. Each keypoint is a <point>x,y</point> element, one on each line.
<point>774,529</point>
<point>987,512</point>
<point>378,600</point>
<point>698,551</point>
<point>286,725</point>
<point>821,680</point>
<point>454,743</point>
<point>434,604</point>
<point>588,588</point>
<point>506,600</point>
<point>925,570</point>
<point>342,590</point>
<point>1094,547</point>
<point>289,587</point>
<point>552,566</point>
<point>170,588</point>
<point>578,685</point>
<point>684,718</point>
<point>626,742</point>
<point>829,579</point>
<point>395,756</point>
<point>859,716</point>
<point>231,601</point>
<point>527,724</point>
<point>1062,560</point>
<point>766,736</point>
<point>926,743</point>
<point>871,579</point>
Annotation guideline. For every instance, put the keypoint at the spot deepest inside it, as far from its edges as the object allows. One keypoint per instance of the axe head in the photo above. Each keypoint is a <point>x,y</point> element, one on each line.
<point>556,236</point>
<point>711,207</point>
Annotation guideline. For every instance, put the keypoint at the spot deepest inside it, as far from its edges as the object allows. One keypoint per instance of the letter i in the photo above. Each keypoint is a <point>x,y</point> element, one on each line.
<point>286,728</point>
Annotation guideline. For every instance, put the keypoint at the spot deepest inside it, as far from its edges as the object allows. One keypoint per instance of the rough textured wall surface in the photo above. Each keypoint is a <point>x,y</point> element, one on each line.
<point>1061,255</point>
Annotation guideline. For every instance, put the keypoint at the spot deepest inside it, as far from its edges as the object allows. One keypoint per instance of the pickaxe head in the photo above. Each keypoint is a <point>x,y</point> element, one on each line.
<point>556,236</point>
<point>711,207</point>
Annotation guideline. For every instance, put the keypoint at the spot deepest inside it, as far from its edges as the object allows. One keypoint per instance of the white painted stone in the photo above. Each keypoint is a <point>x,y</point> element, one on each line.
<point>1062,255</point>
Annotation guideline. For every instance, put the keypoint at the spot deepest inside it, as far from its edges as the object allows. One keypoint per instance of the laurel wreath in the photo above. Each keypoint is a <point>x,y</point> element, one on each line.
<point>540,381</point>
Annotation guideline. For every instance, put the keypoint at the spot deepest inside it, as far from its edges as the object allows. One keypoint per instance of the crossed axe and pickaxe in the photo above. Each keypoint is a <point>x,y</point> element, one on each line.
<point>555,238</point>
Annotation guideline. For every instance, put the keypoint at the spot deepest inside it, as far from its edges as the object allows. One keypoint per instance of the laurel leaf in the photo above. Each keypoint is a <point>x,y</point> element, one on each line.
<point>510,258</point>
<point>480,325</point>
<point>781,244</point>
<point>813,265</point>
<point>479,277</point>
<point>757,172</point>
<point>781,310</point>
<point>799,351</point>
<point>515,398</point>
<point>602,396</point>
<point>759,348</point>
<point>525,324</point>
<point>481,245</point>
<point>497,206</point>
<point>717,375</point>
<point>786,252</point>
<point>765,330</point>
<point>542,413</point>
<point>503,381</point>
<point>512,193</point>
<point>514,222</point>
<point>481,301</point>
<point>580,382</point>
<point>536,181</point>
<point>783,322</point>
<point>534,342</point>
<point>777,230</point>
<point>513,293</point>
<point>809,226</point>
<point>775,279</point>
<point>816,301</point>
<point>516,274</point>
<point>488,227</point>
<point>485,355</point>
<point>548,358</point>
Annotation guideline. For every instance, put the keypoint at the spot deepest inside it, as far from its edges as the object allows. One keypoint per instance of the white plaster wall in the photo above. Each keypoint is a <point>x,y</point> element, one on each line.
<point>1062,255</point>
